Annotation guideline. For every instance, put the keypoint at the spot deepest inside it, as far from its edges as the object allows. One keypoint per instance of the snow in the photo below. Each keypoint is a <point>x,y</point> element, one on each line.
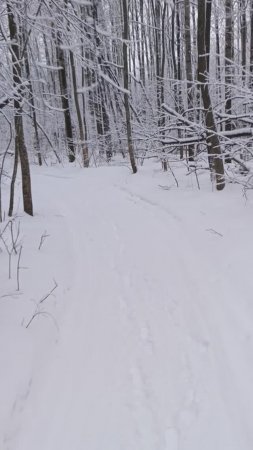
<point>85,89</point>
<point>110,81</point>
<point>148,339</point>
<point>52,108</point>
<point>46,66</point>
<point>83,2</point>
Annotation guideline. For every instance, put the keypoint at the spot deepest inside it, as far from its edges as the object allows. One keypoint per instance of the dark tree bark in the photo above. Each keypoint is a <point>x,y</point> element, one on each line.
<point>243,7</point>
<point>125,37</point>
<point>208,31</point>
<point>251,44</point>
<point>176,62</point>
<point>65,97</point>
<point>20,147</point>
<point>217,37</point>
<point>229,56</point>
<point>25,54</point>
<point>143,38</point>
<point>80,119</point>
<point>188,67</point>
<point>81,122</point>
<point>213,143</point>
<point>34,115</point>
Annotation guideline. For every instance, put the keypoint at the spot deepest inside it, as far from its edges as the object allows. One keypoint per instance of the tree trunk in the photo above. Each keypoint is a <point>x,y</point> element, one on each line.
<point>188,68</point>
<point>213,143</point>
<point>176,62</point>
<point>143,37</point>
<point>125,37</point>
<point>81,124</point>
<point>65,98</point>
<point>251,44</point>
<point>208,31</point>
<point>229,56</point>
<point>30,86</point>
<point>217,37</point>
<point>243,38</point>
<point>20,147</point>
<point>34,115</point>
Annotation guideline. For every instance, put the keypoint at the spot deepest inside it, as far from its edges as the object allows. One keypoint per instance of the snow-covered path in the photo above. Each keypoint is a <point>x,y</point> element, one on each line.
<point>155,347</point>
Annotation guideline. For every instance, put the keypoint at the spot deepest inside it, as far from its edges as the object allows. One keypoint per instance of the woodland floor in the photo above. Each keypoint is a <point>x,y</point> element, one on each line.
<point>147,341</point>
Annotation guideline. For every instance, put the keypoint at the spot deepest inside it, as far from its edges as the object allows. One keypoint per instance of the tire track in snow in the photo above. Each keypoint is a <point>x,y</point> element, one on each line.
<point>143,377</point>
<point>144,399</point>
<point>146,425</point>
<point>138,362</point>
<point>210,358</point>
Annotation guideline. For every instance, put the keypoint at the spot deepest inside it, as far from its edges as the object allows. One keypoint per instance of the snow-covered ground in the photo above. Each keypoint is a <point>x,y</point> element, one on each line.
<point>146,343</point>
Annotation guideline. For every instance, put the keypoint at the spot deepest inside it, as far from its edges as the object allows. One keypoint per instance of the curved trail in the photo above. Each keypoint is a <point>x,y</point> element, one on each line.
<point>150,355</point>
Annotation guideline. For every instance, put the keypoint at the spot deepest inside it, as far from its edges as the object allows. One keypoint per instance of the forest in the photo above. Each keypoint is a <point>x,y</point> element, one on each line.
<point>126,211</point>
<point>89,80</point>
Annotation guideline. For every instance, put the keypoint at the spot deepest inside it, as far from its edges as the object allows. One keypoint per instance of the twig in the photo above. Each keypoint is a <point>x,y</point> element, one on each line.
<point>49,293</point>
<point>18,268</point>
<point>14,240</point>
<point>42,239</point>
<point>197,178</point>
<point>38,312</point>
<point>214,231</point>
<point>14,295</point>
<point>6,226</point>
<point>45,313</point>
<point>174,176</point>
<point>7,249</point>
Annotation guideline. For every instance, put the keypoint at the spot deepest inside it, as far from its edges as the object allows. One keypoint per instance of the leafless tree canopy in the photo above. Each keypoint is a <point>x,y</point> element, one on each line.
<point>88,80</point>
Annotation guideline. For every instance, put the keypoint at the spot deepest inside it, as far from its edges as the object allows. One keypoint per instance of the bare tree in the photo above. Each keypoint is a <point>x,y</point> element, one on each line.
<point>212,139</point>
<point>125,37</point>
<point>20,147</point>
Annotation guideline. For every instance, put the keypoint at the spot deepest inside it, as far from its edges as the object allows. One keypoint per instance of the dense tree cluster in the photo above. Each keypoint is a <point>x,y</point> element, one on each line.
<point>89,79</point>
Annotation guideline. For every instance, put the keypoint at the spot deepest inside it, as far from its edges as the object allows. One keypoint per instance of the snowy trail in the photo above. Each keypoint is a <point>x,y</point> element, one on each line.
<point>150,355</point>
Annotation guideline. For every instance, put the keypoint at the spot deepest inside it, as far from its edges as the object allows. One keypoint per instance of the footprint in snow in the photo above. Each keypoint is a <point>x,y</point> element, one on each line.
<point>146,338</point>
